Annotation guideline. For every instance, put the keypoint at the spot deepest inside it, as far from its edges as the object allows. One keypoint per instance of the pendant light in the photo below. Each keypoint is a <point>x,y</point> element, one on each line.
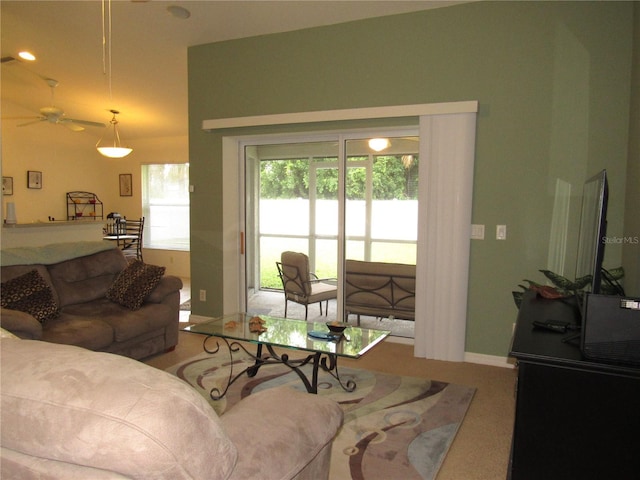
<point>379,144</point>
<point>116,150</point>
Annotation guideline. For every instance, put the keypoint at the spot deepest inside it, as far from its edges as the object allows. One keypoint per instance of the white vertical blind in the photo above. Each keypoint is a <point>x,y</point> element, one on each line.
<point>447,150</point>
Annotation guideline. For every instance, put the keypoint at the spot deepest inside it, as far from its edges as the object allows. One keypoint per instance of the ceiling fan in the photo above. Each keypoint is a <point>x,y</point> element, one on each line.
<point>55,115</point>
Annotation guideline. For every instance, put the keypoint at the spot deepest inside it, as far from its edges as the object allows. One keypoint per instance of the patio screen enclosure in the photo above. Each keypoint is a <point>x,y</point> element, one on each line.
<point>298,193</point>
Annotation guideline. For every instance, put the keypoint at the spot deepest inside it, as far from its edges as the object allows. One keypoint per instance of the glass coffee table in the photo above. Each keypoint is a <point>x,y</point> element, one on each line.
<point>323,348</point>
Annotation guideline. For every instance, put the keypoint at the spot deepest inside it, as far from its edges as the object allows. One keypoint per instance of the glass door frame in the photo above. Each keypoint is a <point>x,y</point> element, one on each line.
<point>448,146</point>
<point>248,222</point>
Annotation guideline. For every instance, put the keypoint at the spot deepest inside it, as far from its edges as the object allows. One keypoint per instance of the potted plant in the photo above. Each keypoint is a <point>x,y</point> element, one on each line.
<point>563,287</point>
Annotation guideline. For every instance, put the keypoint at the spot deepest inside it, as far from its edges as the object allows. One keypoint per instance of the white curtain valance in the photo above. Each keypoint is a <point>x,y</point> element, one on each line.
<point>396,111</point>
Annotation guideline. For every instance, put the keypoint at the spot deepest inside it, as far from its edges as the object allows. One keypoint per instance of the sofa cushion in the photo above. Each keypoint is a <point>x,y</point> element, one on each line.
<point>87,278</point>
<point>91,333</point>
<point>287,418</point>
<point>134,284</point>
<point>380,288</point>
<point>109,412</point>
<point>30,293</point>
<point>124,323</point>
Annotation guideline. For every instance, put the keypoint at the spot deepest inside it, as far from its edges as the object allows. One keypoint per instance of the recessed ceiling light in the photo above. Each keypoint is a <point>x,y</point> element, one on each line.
<point>27,56</point>
<point>179,12</point>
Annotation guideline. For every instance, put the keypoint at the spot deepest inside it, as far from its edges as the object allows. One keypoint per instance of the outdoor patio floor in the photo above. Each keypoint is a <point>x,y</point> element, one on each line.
<point>271,302</point>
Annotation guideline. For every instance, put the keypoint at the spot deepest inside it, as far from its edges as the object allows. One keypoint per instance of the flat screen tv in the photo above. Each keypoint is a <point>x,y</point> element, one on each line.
<point>593,226</point>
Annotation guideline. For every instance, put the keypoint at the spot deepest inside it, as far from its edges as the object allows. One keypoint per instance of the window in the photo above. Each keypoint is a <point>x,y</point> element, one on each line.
<point>165,206</point>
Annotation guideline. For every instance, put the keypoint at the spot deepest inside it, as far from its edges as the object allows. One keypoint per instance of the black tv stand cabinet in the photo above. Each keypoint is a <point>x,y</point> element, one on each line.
<point>575,418</point>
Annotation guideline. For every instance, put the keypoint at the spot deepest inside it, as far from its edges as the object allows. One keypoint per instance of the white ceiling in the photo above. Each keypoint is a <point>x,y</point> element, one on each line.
<point>149,53</point>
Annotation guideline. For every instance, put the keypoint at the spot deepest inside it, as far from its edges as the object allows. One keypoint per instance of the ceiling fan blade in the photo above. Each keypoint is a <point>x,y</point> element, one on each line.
<point>85,122</point>
<point>72,126</point>
<point>30,117</point>
<point>40,119</point>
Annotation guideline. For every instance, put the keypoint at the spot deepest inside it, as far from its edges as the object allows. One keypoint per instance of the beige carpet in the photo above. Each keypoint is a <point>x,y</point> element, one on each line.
<point>481,448</point>
<point>395,426</point>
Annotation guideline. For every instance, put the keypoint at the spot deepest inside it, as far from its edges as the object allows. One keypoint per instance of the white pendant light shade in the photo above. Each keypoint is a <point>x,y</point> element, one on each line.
<point>115,150</point>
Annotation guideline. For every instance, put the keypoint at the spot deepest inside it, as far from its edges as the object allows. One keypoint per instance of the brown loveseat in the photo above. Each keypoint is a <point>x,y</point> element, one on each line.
<point>380,289</point>
<point>70,287</point>
<point>69,413</point>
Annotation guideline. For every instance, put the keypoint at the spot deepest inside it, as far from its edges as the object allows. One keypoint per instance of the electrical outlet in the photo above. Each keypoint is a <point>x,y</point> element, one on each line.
<point>203,295</point>
<point>501,232</point>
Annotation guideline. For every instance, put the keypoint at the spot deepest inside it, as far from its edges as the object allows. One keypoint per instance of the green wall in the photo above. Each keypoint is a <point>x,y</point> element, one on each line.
<point>553,82</point>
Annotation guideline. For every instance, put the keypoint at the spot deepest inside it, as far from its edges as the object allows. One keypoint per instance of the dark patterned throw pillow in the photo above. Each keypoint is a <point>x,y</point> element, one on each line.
<point>134,284</point>
<point>30,293</point>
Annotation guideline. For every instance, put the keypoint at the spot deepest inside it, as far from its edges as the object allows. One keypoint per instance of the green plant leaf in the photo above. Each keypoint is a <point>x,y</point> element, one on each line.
<point>616,273</point>
<point>582,282</point>
<point>559,281</point>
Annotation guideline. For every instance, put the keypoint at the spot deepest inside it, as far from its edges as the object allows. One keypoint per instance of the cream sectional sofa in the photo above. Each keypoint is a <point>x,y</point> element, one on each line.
<point>70,413</point>
<point>69,299</point>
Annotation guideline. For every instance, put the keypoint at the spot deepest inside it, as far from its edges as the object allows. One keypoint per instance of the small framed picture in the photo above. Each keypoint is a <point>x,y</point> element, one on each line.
<point>34,179</point>
<point>7,185</point>
<point>126,189</point>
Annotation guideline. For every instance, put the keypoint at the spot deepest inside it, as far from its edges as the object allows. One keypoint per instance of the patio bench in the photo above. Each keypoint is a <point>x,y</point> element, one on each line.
<point>380,289</point>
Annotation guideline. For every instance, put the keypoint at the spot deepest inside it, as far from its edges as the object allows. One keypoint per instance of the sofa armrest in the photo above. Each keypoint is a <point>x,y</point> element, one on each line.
<point>21,324</point>
<point>277,420</point>
<point>168,284</point>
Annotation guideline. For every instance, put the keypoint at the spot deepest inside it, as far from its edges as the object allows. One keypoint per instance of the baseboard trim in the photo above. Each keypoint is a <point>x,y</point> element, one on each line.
<point>493,360</point>
<point>402,340</point>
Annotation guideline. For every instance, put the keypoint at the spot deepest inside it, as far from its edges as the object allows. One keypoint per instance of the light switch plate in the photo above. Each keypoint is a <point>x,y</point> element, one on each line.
<point>477,232</point>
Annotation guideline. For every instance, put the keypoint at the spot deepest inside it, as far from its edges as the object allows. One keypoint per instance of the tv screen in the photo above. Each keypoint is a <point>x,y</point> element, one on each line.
<point>593,223</point>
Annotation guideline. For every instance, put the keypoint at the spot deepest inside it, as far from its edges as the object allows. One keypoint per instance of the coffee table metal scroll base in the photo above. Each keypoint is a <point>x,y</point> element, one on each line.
<point>327,361</point>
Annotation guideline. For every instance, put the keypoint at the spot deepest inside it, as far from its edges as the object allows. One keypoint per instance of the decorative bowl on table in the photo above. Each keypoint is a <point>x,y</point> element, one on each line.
<point>337,327</point>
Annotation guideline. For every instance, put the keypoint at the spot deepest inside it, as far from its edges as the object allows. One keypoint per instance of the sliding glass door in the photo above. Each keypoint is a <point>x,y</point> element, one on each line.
<point>331,200</point>
<point>290,206</point>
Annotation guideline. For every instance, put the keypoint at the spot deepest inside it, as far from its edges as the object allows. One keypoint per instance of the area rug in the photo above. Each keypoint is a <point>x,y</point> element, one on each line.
<point>394,426</point>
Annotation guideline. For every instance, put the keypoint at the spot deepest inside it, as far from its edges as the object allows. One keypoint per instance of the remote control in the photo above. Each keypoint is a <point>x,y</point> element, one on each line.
<point>551,325</point>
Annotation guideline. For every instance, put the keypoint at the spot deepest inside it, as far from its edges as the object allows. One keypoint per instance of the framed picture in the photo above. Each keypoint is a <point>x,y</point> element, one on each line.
<point>7,185</point>
<point>125,185</point>
<point>34,179</point>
